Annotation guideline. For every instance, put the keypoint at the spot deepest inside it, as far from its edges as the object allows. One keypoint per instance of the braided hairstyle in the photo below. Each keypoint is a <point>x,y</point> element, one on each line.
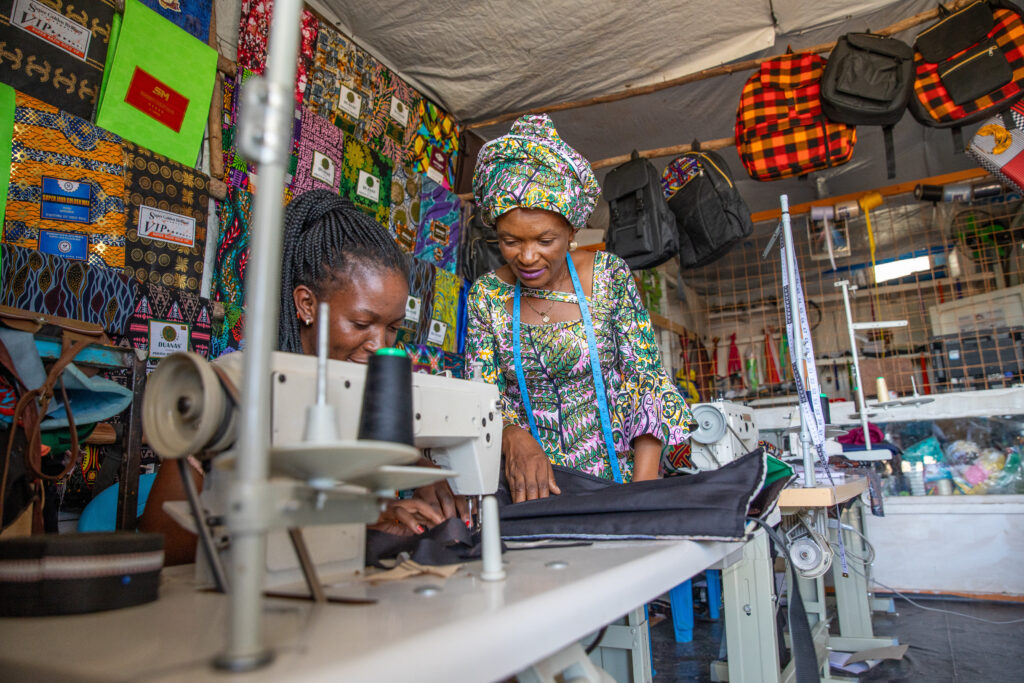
<point>325,237</point>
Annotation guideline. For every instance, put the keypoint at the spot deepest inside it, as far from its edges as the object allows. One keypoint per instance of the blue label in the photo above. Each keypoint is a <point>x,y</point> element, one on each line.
<point>68,245</point>
<point>65,200</point>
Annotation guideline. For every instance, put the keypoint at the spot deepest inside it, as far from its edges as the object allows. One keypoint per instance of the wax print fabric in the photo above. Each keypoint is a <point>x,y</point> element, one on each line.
<point>406,187</point>
<point>228,332</point>
<point>366,180</point>
<point>533,168</point>
<point>434,361</point>
<point>394,119</point>
<point>158,303</point>
<point>56,51</point>
<point>235,216</point>
<point>434,147</point>
<point>320,155</point>
<point>555,359</point>
<point>173,255</point>
<point>236,169</point>
<point>421,293</point>
<point>437,241</point>
<point>341,82</point>
<point>254,30</point>
<point>445,311</point>
<point>44,283</point>
<point>48,143</point>
<point>192,16</point>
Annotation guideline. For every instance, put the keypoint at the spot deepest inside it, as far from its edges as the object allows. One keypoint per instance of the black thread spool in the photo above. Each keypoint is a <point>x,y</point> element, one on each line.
<point>387,398</point>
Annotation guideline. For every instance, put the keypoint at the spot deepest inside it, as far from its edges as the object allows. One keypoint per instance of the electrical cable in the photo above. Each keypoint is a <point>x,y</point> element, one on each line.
<point>597,641</point>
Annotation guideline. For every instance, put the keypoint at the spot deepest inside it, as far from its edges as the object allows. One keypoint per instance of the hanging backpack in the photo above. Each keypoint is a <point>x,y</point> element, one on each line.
<point>710,213</point>
<point>968,66</point>
<point>479,251</point>
<point>868,81</point>
<point>641,228</point>
<point>781,130</point>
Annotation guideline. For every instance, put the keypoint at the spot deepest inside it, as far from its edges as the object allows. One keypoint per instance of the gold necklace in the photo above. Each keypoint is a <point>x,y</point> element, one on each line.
<point>543,315</point>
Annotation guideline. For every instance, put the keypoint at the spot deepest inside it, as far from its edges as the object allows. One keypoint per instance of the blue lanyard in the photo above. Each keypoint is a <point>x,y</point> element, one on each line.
<point>595,369</point>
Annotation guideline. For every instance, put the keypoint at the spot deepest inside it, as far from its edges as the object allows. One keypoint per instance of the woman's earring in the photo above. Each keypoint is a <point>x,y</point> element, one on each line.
<point>573,245</point>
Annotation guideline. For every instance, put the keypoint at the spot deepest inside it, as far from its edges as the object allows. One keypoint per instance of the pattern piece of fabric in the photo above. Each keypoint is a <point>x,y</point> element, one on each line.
<point>406,187</point>
<point>192,16</point>
<point>651,285</point>
<point>236,169</point>
<point>366,180</point>
<point>440,226</point>
<point>253,31</point>
<point>158,303</point>
<point>678,174</point>
<point>421,290</point>
<point>235,216</point>
<point>228,332</point>
<point>341,82</point>
<point>53,144</point>
<point>445,311</point>
<point>434,361</point>
<point>154,181</point>
<point>320,156</point>
<point>556,364</point>
<point>394,119</point>
<point>42,283</point>
<point>434,148</point>
<point>533,168</point>
<point>66,78</point>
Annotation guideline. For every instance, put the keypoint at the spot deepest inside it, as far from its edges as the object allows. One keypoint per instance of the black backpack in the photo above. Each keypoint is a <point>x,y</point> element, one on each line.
<point>868,81</point>
<point>710,214</point>
<point>641,229</point>
<point>479,253</point>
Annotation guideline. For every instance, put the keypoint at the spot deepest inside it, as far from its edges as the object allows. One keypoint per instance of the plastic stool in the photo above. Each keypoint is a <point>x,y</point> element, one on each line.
<point>681,599</point>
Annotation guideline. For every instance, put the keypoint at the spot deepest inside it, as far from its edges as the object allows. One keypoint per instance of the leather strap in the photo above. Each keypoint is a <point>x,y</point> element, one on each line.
<point>890,152</point>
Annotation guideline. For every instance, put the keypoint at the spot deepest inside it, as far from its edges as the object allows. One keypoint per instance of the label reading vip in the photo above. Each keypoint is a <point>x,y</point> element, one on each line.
<point>350,103</point>
<point>437,332</point>
<point>41,21</point>
<point>65,200</point>
<point>167,226</point>
<point>368,187</point>
<point>412,309</point>
<point>64,244</point>
<point>323,168</point>
<point>399,112</point>
<point>156,99</point>
<point>166,338</point>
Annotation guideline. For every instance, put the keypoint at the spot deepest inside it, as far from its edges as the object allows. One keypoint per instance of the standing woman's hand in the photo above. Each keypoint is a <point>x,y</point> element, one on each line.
<point>527,467</point>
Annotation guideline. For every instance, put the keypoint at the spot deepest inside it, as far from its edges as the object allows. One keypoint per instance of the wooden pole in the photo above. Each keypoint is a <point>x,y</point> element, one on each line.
<point>214,123</point>
<point>709,146</point>
<point>713,72</point>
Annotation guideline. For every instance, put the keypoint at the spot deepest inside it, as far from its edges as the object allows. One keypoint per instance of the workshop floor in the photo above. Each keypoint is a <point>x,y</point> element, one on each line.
<point>943,648</point>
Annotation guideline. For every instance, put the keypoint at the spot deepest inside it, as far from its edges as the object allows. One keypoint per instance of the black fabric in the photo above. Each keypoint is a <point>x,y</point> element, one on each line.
<point>470,143</point>
<point>710,214</point>
<point>975,73</point>
<point>641,228</point>
<point>708,505</point>
<point>955,32</point>
<point>450,542</point>
<point>480,253</point>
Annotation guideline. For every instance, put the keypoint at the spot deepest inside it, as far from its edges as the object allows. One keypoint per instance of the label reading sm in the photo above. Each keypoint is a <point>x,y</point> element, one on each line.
<point>167,226</point>
<point>349,102</point>
<point>368,187</point>
<point>166,338</point>
<point>323,168</point>
<point>399,111</point>
<point>412,309</point>
<point>437,331</point>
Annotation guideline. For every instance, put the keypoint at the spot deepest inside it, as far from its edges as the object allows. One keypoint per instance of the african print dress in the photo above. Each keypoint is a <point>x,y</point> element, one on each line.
<point>556,364</point>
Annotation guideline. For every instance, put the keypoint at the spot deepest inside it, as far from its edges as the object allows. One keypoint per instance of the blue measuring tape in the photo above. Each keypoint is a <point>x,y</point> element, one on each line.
<point>595,368</point>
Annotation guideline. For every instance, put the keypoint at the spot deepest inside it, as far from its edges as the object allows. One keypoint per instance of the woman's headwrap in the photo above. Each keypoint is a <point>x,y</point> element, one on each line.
<point>532,168</point>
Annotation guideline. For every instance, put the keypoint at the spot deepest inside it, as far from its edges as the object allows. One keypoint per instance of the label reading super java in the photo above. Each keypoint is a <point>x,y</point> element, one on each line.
<point>412,308</point>
<point>64,244</point>
<point>166,338</point>
<point>41,21</point>
<point>65,200</point>
<point>399,112</point>
<point>323,168</point>
<point>368,187</point>
<point>167,226</point>
<point>437,332</point>
<point>349,102</point>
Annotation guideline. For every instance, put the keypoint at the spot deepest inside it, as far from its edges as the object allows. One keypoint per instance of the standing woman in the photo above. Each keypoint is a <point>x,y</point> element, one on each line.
<point>563,333</point>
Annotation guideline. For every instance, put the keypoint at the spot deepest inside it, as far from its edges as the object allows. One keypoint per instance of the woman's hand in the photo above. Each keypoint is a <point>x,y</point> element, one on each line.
<point>407,517</point>
<point>440,497</point>
<point>646,457</point>
<point>527,467</point>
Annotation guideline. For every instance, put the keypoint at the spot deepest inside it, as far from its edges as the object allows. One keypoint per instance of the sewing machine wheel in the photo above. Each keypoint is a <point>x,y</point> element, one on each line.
<point>809,558</point>
<point>184,407</point>
<point>711,425</point>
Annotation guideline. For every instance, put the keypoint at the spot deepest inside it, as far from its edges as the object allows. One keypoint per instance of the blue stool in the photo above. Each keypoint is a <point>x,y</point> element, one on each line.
<point>681,599</point>
<point>101,512</point>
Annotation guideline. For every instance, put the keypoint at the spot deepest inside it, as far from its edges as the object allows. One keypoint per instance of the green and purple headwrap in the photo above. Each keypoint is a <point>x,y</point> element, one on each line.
<point>532,168</point>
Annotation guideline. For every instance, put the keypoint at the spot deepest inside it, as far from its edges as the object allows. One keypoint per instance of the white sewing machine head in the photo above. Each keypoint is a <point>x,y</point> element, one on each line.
<point>725,432</point>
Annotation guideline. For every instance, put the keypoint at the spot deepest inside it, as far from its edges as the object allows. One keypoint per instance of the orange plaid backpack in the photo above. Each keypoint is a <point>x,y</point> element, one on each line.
<point>780,128</point>
<point>968,66</point>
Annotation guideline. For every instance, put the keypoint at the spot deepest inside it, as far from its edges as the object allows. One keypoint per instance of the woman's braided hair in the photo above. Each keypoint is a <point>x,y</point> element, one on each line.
<point>325,236</point>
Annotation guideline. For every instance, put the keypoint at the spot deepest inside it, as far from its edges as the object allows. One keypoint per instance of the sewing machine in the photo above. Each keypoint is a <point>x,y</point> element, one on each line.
<point>725,431</point>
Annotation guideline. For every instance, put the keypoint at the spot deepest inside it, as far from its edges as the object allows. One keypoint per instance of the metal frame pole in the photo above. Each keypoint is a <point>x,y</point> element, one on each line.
<point>861,403</point>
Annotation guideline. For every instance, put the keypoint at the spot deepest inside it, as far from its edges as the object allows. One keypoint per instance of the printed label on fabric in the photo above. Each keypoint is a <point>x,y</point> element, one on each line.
<point>412,308</point>
<point>41,21</point>
<point>323,168</point>
<point>65,244</point>
<point>167,226</point>
<point>438,167</point>
<point>437,331</point>
<point>399,111</point>
<point>157,100</point>
<point>439,232</point>
<point>166,338</point>
<point>349,102</point>
<point>65,200</point>
<point>368,187</point>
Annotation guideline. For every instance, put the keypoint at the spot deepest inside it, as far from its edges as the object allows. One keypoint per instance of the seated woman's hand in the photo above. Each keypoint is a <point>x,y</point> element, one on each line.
<point>527,467</point>
<point>439,496</point>
<point>407,517</point>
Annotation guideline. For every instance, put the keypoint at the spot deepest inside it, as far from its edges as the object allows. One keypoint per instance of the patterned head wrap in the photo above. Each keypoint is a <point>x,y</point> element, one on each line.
<point>532,168</point>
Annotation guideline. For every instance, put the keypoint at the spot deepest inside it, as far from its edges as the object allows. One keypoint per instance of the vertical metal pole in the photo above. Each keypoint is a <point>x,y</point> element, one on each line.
<point>862,406</point>
<point>267,139</point>
<point>128,484</point>
<point>797,339</point>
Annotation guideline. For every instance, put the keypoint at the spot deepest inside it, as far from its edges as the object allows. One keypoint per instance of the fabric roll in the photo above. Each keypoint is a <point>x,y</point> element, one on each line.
<point>406,187</point>
<point>167,213</point>
<point>445,311</point>
<point>235,216</point>
<point>437,241</point>
<point>320,155</point>
<point>421,306</point>
<point>192,16</point>
<point>228,332</point>
<point>155,304</point>
<point>434,361</point>
<point>394,118</point>
<point>66,76</point>
<point>341,82</point>
<point>434,147</point>
<point>253,31</point>
<point>365,179</point>
<point>81,214</point>
<point>236,169</point>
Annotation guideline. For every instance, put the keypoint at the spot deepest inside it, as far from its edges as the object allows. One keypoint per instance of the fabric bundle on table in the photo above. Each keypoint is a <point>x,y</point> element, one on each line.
<point>168,205</point>
<point>43,283</point>
<point>406,188</point>
<point>192,16</point>
<point>235,216</point>
<point>228,332</point>
<point>158,304</point>
<point>435,144</point>
<point>56,51</point>
<point>341,82</point>
<point>445,315</point>
<point>253,31</point>
<point>394,119</point>
<point>320,156</point>
<point>236,169</point>
<point>66,193</point>
<point>434,361</point>
<point>421,302</point>
<point>437,241</point>
<point>366,180</point>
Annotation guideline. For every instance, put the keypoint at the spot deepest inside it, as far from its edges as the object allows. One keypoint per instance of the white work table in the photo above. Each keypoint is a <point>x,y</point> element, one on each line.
<point>469,631</point>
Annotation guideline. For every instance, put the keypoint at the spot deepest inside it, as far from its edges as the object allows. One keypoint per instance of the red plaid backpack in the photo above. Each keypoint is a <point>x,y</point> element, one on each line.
<point>780,128</point>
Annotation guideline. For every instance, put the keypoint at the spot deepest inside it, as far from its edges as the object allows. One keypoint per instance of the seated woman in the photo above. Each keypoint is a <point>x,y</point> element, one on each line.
<point>563,333</point>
